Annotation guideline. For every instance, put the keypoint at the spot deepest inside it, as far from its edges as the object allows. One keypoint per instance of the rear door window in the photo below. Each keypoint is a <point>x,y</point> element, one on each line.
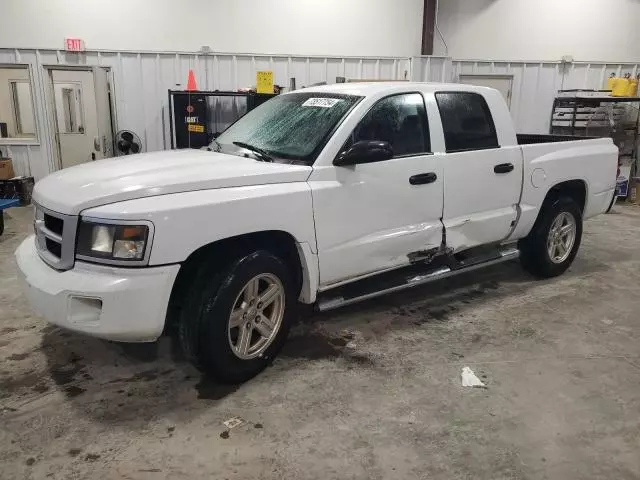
<point>466,121</point>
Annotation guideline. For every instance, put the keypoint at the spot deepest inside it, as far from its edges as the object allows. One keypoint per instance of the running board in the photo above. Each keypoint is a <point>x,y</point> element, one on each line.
<point>407,277</point>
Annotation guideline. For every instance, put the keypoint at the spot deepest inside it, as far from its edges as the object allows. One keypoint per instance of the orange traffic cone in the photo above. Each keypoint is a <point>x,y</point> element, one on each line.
<point>191,82</point>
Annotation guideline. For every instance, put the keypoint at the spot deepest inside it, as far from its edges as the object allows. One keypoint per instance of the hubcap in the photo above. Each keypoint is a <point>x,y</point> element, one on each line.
<point>256,316</point>
<point>562,236</point>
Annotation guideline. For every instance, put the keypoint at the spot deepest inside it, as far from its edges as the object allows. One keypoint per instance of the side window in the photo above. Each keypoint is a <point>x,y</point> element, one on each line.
<point>17,119</point>
<point>400,120</point>
<point>466,121</point>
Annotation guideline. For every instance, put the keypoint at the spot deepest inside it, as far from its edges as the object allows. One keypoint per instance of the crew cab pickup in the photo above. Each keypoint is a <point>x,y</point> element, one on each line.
<point>327,195</point>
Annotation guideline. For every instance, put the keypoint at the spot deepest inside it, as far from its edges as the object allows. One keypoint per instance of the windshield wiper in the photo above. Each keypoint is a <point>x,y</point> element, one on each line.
<point>215,149</point>
<point>261,154</point>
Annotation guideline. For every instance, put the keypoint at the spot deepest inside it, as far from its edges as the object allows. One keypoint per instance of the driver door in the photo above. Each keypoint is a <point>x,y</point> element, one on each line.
<point>372,217</point>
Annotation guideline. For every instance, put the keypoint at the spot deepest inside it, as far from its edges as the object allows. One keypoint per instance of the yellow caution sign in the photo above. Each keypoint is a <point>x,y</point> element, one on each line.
<point>264,81</point>
<point>192,127</point>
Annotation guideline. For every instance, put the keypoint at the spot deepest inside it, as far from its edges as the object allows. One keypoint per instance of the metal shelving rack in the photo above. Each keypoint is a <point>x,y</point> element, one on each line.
<point>575,112</point>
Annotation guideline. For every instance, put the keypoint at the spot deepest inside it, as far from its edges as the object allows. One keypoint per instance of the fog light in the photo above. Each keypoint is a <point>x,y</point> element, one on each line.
<point>85,310</point>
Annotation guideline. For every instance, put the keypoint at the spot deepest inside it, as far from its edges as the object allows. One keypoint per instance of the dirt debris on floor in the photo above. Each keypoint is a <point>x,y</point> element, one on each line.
<point>371,391</point>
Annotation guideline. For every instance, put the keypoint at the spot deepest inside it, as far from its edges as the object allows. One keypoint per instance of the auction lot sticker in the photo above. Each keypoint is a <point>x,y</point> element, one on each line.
<point>321,102</point>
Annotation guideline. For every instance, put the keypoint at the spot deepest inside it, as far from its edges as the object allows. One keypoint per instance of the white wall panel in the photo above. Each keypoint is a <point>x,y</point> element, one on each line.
<point>432,69</point>
<point>594,75</point>
<point>335,69</point>
<point>535,85</point>
<point>21,155</point>
<point>141,81</point>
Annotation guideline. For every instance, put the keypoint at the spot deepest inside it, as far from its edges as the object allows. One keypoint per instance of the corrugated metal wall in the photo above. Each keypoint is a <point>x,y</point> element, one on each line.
<point>34,157</point>
<point>535,84</point>
<point>141,81</point>
<point>431,69</point>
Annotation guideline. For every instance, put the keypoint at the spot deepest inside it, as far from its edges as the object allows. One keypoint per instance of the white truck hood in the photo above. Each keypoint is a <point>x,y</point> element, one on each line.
<point>74,189</point>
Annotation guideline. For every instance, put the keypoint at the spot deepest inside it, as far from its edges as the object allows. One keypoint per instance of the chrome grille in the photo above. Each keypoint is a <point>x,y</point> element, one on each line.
<point>55,237</point>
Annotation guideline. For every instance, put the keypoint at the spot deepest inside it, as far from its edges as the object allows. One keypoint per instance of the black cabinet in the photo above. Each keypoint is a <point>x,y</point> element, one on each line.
<point>197,117</point>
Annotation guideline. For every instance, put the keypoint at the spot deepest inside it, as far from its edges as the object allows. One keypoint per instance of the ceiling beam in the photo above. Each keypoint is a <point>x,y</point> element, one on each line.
<point>428,26</point>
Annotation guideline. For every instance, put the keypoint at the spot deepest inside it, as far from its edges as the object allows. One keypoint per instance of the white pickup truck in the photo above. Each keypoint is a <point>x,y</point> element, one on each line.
<point>327,195</point>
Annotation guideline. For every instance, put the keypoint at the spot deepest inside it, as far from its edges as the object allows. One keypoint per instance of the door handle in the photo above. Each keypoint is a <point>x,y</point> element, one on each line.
<point>423,178</point>
<point>503,168</point>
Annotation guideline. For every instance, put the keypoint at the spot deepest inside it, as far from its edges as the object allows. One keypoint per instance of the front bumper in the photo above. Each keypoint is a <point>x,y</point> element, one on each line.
<point>121,304</point>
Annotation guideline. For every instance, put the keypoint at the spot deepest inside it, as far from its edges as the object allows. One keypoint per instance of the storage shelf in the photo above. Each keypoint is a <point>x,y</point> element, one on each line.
<point>574,113</point>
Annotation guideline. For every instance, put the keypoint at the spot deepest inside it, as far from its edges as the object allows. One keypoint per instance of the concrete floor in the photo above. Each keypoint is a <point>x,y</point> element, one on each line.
<point>369,392</point>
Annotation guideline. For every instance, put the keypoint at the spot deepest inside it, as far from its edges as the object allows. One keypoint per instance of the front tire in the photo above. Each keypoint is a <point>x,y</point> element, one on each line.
<point>237,318</point>
<point>553,243</point>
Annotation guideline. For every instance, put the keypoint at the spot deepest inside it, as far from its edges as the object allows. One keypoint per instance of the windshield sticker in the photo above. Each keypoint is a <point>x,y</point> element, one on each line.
<point>321,102</point>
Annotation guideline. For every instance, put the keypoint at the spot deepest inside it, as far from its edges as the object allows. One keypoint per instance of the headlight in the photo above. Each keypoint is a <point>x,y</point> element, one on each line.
<point>112,243</point>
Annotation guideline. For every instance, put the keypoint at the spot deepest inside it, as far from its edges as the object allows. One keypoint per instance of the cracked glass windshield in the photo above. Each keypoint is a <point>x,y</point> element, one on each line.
<point>289,128</point>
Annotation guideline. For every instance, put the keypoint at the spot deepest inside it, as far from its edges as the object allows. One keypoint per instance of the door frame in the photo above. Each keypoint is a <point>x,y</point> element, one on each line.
<point>496,76</point>
<point>51,105</point>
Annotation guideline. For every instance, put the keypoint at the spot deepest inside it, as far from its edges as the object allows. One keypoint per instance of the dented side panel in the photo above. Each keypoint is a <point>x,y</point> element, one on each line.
<point>369,217</point>
<point>481,205</point>
<point>479,229</point>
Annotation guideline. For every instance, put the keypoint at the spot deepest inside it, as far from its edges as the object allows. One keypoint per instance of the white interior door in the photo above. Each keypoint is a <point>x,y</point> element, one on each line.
<point>76,116</point>
<point>502,83</point>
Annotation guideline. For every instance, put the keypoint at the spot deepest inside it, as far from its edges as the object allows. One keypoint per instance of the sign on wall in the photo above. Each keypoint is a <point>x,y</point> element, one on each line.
<point>264,81</point>
<point>74,44</point>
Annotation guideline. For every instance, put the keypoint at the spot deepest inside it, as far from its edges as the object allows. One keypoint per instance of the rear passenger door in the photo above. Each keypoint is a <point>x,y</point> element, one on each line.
<point>482,178</point>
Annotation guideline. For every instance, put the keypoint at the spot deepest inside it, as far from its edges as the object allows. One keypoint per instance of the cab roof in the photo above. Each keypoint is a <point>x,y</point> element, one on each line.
<point>366,89</point>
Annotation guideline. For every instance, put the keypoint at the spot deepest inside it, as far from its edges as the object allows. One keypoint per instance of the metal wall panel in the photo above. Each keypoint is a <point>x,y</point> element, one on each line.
<point>141,81</point>
<point>24,157</point>
<point>31,157</point>
<point>535,85</point>
<point>432,69</point>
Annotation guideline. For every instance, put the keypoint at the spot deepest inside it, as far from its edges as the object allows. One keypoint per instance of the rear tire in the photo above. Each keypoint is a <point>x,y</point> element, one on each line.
<point>553,243</point>
<point>221,332</point>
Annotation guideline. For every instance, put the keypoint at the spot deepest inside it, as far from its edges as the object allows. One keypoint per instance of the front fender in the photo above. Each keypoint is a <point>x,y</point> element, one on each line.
<point>186,221</point>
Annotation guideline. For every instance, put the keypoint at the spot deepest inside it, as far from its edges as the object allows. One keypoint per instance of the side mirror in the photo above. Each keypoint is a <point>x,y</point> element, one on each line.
<point>365,151</point>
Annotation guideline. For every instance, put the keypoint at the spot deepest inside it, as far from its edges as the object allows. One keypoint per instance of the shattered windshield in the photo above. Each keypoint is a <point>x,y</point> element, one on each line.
<point>291,127</point>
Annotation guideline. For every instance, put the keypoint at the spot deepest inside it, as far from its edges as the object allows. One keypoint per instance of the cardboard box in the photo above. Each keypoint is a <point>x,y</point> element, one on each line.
<point>6,169</point>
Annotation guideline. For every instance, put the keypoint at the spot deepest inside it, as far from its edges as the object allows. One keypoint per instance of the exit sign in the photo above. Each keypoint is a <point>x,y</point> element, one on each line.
<point>73,45</point>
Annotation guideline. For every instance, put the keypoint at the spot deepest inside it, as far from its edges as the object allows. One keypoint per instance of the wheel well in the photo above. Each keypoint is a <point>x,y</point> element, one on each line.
<point>222,252</point>
<point>575,189</point>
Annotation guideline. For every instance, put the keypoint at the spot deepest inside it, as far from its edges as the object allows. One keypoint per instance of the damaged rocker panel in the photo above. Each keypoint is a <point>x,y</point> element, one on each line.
<point>413,275</point>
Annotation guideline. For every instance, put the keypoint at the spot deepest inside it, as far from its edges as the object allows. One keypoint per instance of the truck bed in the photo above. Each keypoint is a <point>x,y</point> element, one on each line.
<point>592,161</point>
